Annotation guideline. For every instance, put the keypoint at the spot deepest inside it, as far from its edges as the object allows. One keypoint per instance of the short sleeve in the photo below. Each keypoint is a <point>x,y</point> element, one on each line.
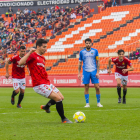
<point>129,62</point>
<point>97,55</point>
<point>114,59</point>
<point>12,59</point>
<point>30,59</point>
<point>80,56</point>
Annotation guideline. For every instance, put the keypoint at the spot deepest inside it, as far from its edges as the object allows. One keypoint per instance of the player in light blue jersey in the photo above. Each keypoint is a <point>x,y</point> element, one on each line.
<point>90,58</point>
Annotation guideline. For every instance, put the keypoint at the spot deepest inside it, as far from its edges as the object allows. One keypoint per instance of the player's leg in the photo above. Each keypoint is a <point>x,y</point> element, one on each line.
<point>118,80</point>
<point>16,90</point>
<point>124,83</point>
<point>124,94</point>
<point>119,89</point>
<point>47,91</point>
<point>95,81</point>
<point>59,106</point>
<point>52,102</point>
<point>22,85</point>
<point>86,81</point>
<point>86,92</point>
<point>98,95</point>
<point>20,98</point>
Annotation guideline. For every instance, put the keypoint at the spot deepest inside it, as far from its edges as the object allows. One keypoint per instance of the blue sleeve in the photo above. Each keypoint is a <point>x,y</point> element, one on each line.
<point>80,56</point>
<point>97,55</point>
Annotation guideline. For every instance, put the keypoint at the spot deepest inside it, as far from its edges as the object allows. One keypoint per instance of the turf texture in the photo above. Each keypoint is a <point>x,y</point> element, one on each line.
<point>112,122</point>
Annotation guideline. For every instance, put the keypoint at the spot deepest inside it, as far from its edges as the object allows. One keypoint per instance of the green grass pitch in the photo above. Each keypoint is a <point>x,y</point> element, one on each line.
<point>112,122</point>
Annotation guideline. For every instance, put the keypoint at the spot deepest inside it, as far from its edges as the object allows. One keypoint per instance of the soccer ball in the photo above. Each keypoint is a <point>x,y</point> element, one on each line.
<point>79,117</point>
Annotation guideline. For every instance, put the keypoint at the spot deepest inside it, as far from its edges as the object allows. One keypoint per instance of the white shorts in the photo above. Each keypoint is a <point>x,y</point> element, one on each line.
<point>45,90</point>
<point>124,79</point>
<point>19,83</point>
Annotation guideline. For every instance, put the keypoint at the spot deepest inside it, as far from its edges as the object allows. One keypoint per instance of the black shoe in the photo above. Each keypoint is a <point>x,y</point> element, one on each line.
<point>12,100</point>
<point>19,106</point>
<point>124,101</point>
<point>119,100</point>
<point>47,110</point>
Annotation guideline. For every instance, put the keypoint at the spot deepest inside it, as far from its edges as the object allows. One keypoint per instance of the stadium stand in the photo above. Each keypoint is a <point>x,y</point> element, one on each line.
<point>112,29</point>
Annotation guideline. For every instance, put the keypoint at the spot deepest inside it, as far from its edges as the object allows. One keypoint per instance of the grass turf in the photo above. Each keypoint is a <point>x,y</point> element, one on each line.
<point>112,122</point>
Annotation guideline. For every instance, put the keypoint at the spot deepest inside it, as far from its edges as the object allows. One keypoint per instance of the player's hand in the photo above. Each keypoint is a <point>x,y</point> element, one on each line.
<point>7,75</point>
<point>32,50</point>
<point>124,71</point>
<point>79,76</point>
<point>97,75</point>
<point>109,71</point>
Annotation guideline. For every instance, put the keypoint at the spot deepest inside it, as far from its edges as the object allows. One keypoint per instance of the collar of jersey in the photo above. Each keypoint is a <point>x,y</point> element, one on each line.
<point>87,51</point>
<point>39,54</point>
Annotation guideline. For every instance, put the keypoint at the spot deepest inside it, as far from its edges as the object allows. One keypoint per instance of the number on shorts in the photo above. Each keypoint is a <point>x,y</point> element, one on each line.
<point>15,84</point>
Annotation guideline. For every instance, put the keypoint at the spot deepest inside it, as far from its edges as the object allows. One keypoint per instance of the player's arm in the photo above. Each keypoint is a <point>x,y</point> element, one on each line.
<point>24,58</point>
<point>79,65</point>
<point>98,64</point>
<point>129,69</point>
<point>7,68</point>
<point>28,70</point>
<point>109,65</point>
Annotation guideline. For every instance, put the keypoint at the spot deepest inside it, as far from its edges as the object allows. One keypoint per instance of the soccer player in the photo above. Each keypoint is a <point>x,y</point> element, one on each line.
<point>40,81</point>
<point>121,73</point>
<point>18,76</point>
<point>90,58</point>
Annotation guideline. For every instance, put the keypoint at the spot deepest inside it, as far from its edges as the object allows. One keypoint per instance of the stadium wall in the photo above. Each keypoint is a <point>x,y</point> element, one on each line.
<point>42,4</point>
<point>73,81</point>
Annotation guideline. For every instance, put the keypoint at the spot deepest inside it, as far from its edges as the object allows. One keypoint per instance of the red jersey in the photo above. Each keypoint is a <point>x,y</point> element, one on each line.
<point>36,65</point>
<point>120,65</point>
<point>18,71</point>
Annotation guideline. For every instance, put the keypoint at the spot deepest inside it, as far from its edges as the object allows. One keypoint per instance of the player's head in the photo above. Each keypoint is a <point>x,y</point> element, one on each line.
<point>41,46</point>
<point>22,51</point>
<point>121,53</point>
<point>88,43</point>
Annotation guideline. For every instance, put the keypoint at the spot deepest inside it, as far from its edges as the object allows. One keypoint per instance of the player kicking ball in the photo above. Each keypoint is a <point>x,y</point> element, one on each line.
<point>90,58</point>
<point>121,73</point>
<point>40,81</point>
<point>18,76</point>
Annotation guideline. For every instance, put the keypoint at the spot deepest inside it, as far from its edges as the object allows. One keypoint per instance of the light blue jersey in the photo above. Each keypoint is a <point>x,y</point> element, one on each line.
<point>89,59</point>
<point>89,65</point>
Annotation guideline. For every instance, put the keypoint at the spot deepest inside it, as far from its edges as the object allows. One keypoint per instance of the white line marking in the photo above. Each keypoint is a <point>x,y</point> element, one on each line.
<point>72,110</point>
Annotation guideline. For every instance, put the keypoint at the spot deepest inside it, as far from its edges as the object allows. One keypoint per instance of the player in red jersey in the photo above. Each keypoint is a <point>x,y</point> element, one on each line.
<point>18,76</point>
<point>121,73</point>
<point>40,81</point>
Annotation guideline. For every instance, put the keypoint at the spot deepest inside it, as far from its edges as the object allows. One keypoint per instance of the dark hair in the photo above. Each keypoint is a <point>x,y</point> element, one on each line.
<point>88,39</point>
<point>22,47</point>
<point>119,51</point>
<point>40,42</point>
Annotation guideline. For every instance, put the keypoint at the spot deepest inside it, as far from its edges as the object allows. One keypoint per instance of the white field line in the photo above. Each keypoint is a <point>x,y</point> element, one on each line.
<point>71,111</point>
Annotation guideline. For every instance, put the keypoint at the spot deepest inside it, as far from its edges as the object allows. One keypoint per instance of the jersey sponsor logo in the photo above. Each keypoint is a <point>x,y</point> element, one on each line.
<point>40,64</point>
<point>121,67</point>
<point>22,66</point>
<point>114,59</point>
